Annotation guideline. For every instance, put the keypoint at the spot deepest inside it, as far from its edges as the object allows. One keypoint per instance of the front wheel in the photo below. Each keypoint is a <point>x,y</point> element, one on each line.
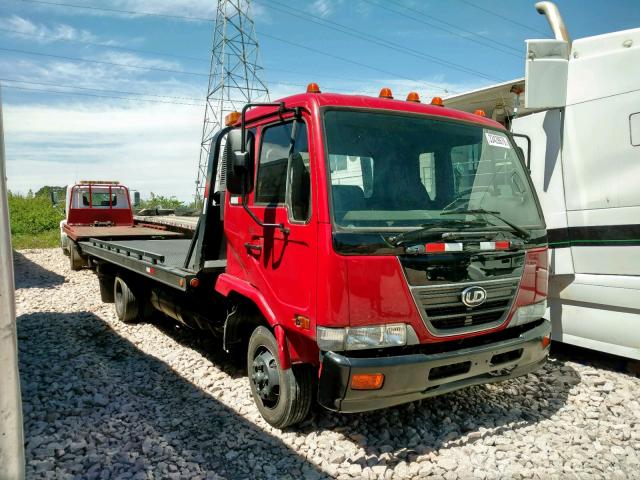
<point>283,397</point>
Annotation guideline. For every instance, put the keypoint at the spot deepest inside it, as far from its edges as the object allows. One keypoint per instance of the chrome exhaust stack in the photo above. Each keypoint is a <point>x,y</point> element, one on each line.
<point>550,10</point>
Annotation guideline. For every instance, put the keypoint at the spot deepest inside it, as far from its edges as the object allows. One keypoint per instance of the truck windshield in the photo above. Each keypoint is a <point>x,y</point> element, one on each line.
<point>394,171</point>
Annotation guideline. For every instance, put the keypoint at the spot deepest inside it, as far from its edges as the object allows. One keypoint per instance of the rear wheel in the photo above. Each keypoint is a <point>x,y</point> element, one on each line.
<point>126,303</point>
<point>283,397</point>
<point>76,262</point>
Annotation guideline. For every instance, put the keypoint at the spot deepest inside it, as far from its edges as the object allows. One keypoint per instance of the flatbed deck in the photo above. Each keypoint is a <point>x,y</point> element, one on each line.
<point>84,232</point>
<point>174,251</point>
<point>160,259</point>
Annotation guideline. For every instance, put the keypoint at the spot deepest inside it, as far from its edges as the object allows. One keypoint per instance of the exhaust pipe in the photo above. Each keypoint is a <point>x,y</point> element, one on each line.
<point>555,20</point>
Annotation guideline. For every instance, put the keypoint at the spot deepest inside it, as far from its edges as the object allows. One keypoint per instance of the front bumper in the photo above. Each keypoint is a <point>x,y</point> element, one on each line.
<point>412,377</point>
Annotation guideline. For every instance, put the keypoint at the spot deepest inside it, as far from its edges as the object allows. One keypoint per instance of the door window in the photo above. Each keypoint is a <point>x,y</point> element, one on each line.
<point>283,168</point>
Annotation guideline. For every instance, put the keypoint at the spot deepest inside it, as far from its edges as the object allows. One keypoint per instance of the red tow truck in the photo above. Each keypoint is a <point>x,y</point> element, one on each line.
<point>365,251</point>
<point>100,209</point>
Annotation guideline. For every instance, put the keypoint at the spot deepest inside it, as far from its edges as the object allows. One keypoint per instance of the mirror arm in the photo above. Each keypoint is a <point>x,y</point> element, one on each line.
<point>279,226</point>
<point>282,109</point>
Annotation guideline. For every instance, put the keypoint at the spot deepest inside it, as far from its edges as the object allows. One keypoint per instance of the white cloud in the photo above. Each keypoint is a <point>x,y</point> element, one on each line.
<point>125,58</point>
<point>191,8</point>
<point>43,33</point>
<point>149,147</point>
<point>324,8</point>
<point>108,77</point>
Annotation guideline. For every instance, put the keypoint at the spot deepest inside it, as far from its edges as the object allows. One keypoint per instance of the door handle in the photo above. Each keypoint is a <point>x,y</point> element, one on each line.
<point>253,247</point>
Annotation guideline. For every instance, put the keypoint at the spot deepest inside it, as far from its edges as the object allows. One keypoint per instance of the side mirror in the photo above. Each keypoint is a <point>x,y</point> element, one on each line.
<point>239,162</point>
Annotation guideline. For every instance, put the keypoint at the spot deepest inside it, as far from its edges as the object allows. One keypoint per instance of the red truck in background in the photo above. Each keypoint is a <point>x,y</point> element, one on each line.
<point>364,251</point>
<point>100,209</point>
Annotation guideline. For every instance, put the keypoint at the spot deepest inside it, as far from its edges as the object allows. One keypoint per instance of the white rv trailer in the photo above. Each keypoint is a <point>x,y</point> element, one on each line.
<point>579,103</point>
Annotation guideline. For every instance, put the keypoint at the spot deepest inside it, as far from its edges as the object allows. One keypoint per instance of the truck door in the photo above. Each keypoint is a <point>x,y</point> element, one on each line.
<point>282,265</point>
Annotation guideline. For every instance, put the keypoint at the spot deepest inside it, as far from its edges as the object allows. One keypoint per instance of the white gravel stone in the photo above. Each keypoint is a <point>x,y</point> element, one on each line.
<point>152,400</point>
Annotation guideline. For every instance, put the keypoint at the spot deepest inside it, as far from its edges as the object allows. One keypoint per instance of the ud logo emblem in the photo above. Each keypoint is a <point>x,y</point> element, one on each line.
<point>474,296</point>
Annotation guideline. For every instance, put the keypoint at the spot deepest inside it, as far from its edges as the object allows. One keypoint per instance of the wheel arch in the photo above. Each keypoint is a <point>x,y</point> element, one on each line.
<point>249,308</point>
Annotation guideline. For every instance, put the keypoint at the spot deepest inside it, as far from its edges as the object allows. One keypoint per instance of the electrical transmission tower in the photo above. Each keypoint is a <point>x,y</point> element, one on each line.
<point>234,76</point>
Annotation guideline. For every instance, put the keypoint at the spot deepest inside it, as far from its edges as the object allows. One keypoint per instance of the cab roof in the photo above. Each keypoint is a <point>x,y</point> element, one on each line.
<point>313,101</point>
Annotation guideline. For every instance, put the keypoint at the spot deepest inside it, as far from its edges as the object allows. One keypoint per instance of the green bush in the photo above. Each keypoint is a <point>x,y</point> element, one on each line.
<point>31,215</point>
<point>160,201</point>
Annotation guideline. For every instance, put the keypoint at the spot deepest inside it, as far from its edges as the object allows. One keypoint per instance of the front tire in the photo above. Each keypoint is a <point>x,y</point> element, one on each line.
<point>283,397</point>
<point>126,303</point>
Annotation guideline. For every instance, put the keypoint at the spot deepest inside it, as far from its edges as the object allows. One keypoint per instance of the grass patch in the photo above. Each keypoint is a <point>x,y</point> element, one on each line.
<point>46,239</point>
<point>34,221</point>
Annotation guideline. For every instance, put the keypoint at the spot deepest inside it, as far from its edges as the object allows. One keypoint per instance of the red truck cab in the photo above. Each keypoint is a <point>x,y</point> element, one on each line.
<point>395,249</point>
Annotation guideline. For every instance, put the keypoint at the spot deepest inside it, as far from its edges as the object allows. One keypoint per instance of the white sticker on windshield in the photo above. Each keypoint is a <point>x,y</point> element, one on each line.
<point>497,140</point>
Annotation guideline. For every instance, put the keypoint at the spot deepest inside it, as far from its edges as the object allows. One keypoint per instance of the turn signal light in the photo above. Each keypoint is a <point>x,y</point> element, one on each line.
<point>480,112</point>
<point>367,381</point>
<point>413,97</point>
<point>546,341</point>
<point>437,101</point>
<point>231,118</point>
<point>313,88</point>
<point>194,282</point>
<point>386,93</point>
<point>302,322</point>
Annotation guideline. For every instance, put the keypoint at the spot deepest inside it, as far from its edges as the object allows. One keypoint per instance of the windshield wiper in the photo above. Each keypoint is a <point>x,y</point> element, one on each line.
<point>519,231</point>
<point>412,235</point>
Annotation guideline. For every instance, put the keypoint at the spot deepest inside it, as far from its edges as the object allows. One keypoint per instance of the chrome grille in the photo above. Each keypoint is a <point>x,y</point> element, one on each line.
<point>444,313</point>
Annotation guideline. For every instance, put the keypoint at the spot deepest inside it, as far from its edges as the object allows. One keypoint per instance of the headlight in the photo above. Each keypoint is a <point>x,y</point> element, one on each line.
<point>361,338</point>
<point>528,313</point>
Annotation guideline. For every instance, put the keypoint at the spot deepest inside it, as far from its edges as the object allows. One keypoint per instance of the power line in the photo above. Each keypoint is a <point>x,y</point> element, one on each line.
<point>124,12</point>
<point>164,70</point>
<point>355,62</point>
<point>181,56</point>
<point>491,12</point>
<point>49,84</point>
<point>123,92</point>
<point>441,21</point>
<point>100,96</point>
<point>105,45</point>
<point>76,59</point>
<point>377,40</point>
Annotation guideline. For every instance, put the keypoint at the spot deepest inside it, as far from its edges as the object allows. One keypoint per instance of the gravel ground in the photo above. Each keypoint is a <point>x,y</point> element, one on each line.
<point>108,400</point>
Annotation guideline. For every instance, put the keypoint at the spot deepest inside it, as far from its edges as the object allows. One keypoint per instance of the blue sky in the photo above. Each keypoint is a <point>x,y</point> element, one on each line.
<point>151,142</point>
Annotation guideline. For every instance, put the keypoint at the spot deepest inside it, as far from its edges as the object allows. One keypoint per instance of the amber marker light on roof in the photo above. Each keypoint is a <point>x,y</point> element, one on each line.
<point>437,101</point>
<point>480,112</point>
<point>231,118</point>
<point>413,97</point>
<point>386,93</point>
<point>313,88</point>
